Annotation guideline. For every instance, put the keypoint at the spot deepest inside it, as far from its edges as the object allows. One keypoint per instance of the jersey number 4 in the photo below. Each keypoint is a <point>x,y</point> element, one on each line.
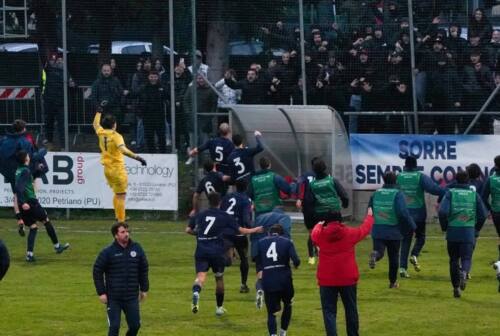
<point>271,252</point>
<point>211,221</point>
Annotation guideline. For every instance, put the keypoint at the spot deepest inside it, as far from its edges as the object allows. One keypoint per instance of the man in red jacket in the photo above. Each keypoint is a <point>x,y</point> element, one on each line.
<point>337,269</point>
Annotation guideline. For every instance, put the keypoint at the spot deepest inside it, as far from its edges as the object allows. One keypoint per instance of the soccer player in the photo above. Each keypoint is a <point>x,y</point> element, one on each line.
<point>4,260</point>
<point>121,280</point>
<point>112,150</point>
<point>9,145</point>
<point>325,195</point>
<point>239,206</point>
<point>219,148</point>
<point>462,215</point>
<point>266,221</point>
<point>308,212</point>
<point>492,189</point>
<point>209,228</point>
<point>265,187</point>
<point>273,259</point>
<point>414,184</point>
<point>31,211</point>
<point>241,159</point>
<point>212,182</point>
<point>392,220</point>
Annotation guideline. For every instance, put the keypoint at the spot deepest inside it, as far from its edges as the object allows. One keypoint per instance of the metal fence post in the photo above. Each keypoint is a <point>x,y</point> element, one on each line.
<point>302,53</point>
<point>412,54</point>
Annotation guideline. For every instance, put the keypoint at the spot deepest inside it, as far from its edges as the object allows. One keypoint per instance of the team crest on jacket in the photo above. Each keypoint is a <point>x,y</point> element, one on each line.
<point>133,254</point>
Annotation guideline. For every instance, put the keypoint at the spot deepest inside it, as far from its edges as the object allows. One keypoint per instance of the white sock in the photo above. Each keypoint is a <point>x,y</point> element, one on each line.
<point>57,245</point>
<point>29,253</point>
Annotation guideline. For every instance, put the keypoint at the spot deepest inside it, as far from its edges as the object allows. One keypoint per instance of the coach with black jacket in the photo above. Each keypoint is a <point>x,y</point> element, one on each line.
<point>121,279</point>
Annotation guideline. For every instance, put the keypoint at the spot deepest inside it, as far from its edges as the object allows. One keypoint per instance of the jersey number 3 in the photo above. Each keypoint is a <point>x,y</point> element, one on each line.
<point>271,252</point>
<point>239,164</point>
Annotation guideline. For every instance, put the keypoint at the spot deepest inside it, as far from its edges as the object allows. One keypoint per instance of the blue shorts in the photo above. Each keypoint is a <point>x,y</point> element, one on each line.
<point>274,299</point>
<point>217,264</point>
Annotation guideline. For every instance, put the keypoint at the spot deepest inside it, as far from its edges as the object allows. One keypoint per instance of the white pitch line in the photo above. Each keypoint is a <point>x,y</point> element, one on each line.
<point>137,231</point>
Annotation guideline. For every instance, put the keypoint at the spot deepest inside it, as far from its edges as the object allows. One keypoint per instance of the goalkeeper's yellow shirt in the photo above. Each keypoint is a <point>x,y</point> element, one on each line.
<point>110,142</point>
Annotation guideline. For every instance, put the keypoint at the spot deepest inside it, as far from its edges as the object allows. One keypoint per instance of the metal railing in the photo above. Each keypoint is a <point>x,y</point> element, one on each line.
<point>21,103</point>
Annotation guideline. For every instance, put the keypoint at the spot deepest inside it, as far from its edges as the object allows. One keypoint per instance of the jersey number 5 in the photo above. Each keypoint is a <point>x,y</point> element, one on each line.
<point>220,154</point>
<point>210,220</point>
<point>271,252</point>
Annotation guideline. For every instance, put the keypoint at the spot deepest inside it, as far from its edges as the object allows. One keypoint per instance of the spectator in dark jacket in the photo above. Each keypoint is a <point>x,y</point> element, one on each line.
<point>276,37</point>
<point>53,99</point>
<point>108,88</point>
<point>493,48</point>
<point>121,279</point>
<point>457,46</point>
<point>337,269</point>
<point>462,215</point>
<point>207,102</point>
<point>252,89</point>
<point>392,221</point>
<point>479,25</point>
<point>153,101</point>
<point>182,78</point>
<point>478,85</point>
<point>4,260</point>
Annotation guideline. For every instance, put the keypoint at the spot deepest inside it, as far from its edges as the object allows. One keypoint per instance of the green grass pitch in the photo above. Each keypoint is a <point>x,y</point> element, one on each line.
<point>56,295</point>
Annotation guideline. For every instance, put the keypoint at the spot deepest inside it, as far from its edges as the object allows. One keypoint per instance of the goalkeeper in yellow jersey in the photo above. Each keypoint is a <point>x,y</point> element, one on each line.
<point>112,150</point>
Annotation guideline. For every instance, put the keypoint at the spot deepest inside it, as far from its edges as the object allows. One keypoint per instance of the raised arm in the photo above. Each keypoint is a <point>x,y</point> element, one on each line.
<point>97,121</point>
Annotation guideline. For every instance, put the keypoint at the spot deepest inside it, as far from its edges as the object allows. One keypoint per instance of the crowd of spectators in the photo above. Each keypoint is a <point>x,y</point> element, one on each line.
<point>348,67</point>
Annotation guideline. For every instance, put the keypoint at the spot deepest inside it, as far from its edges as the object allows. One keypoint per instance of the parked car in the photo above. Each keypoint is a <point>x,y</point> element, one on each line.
<point>128,48</point>
<point>21,47</point>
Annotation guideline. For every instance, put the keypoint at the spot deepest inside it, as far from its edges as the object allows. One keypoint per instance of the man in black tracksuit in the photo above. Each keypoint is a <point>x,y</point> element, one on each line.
<point>392,222</point>
<point>4,260</point>
<point>121,279</point>
<point>152,100</point>
<point>462,215</point>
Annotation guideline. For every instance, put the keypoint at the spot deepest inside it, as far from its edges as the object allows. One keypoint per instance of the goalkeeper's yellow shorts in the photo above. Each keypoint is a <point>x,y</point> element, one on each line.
<point>117,179</point>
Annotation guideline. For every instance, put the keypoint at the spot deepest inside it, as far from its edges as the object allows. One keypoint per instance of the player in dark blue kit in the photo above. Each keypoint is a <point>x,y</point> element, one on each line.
<point>239,206</point>
<point>209,228</point>
<point>219,148</point>
<point>273,259</point>
<point>241,159</point>
<point>212,182</point>
<point>308,212</point>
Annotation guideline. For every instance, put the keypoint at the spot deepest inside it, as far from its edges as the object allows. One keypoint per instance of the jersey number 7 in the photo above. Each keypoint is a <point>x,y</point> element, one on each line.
<point>211,221</point>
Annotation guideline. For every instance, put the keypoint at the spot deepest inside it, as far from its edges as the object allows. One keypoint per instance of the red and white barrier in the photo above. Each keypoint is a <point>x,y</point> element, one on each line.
<point>17,93</point>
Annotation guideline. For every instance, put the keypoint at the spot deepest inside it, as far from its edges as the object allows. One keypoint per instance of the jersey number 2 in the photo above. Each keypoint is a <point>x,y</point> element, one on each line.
<point>271,252</point>
<point>230,210</point>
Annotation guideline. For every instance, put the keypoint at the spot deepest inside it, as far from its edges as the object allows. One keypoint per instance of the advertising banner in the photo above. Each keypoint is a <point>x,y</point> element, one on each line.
<point>439,156</point>
<point>76,180</point>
